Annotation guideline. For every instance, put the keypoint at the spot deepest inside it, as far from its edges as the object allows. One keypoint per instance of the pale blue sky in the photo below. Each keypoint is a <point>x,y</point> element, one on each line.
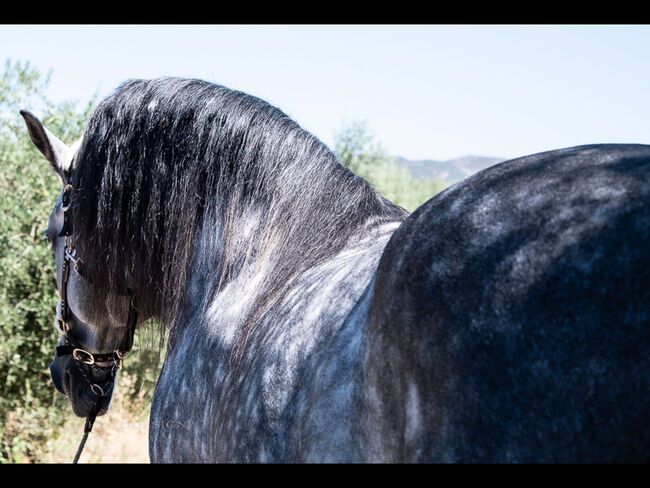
<point>426,91</point>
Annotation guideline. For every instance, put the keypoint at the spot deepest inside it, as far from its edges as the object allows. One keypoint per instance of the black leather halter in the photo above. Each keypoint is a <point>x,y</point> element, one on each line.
<point>72,346</point>
<point>82,358</point>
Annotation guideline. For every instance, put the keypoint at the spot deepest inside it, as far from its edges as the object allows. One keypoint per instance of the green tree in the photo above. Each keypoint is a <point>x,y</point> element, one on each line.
<point>31,410</point>
<point>359,152</point>
<point>28,407</point>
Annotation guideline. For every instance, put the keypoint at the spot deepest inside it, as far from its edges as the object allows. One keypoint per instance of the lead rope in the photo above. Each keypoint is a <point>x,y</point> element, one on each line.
<point>90,420</point>
<point>100,393</point>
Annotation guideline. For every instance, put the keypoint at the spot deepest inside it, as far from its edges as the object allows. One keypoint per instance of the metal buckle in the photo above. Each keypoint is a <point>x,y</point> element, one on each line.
<point>63,326</point>
<point>71,254</point>
<point>118,361</point>
<point>90,359</point>
<point>65,198</point>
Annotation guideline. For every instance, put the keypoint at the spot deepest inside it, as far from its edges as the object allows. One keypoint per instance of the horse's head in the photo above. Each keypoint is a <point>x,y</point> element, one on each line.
<point>95,331</point>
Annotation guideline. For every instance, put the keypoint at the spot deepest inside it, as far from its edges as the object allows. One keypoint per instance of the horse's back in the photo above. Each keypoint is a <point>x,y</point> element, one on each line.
<point>510,319</point>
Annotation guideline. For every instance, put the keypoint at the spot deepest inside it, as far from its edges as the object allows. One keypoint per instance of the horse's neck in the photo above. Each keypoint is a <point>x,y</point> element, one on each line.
<point>329,289</point>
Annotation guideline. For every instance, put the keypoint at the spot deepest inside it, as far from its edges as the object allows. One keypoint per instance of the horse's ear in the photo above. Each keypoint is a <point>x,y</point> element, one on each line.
<point>55,151</point>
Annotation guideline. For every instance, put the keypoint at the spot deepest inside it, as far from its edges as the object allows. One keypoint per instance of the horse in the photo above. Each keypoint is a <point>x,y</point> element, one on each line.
<point>506,320</point>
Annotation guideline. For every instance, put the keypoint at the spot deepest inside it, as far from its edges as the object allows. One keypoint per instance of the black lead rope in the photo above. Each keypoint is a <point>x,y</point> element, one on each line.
<point>97,406</point>
<point>90,420</point>
<point>102,395</point>
<point>85,359</point>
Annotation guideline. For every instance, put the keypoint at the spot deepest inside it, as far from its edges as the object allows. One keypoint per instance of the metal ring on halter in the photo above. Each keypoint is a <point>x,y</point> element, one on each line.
<point>120,355</point>
<point>95,385</point>
<point>71,255</point>
<point>65,197</point>
<point>89,359</point>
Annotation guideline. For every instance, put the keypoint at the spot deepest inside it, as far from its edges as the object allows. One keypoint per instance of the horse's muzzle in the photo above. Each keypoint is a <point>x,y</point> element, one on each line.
<point>82,388</point>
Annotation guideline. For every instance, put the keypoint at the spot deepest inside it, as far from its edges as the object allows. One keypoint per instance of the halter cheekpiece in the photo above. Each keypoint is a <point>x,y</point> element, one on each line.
<point>70,256</point>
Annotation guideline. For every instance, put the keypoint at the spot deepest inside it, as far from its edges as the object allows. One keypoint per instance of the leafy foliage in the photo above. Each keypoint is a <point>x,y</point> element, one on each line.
<point>360,153</point>
<point>28,294</point>
<point>31,411</point>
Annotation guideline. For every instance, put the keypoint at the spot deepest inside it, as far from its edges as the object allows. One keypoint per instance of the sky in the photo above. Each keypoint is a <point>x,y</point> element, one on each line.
<point>424,91</point>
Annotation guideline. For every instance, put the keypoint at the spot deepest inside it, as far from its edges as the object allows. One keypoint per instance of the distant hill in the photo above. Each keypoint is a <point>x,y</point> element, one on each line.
<point>450,171</point>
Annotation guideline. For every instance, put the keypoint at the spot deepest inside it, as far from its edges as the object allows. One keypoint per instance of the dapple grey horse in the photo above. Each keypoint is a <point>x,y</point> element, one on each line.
<point>311,320</point>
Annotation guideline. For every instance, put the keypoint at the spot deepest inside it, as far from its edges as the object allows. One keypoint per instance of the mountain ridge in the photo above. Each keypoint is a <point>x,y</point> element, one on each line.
<point>451,170</point>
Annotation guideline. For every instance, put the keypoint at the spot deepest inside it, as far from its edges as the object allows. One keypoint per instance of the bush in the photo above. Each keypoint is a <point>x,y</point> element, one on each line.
<point>29,409</point>
<point>359,152</point>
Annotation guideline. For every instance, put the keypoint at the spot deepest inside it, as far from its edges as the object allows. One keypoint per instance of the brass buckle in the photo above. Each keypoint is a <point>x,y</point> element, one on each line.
<point>119,355</point>
<point>89,359</point>
<point>63,326</point>
<point>65,197</point>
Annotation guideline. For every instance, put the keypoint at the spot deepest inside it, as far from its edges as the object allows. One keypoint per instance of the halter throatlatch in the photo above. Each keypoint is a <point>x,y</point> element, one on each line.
<point>84,360</point>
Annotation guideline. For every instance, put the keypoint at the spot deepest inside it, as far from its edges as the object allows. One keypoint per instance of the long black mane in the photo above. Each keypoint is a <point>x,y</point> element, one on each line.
<point>168,161</point>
